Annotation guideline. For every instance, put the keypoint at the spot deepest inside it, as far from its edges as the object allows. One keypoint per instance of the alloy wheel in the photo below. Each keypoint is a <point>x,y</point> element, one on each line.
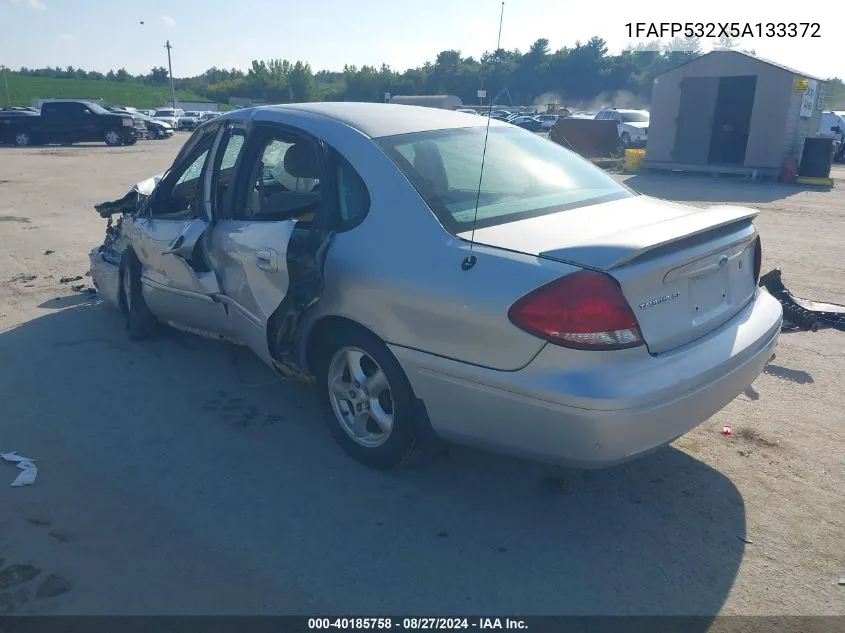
<point>360,397</point>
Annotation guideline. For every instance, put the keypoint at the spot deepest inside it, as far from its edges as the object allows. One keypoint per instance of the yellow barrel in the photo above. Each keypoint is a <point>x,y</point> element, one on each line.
<point>634,159</point>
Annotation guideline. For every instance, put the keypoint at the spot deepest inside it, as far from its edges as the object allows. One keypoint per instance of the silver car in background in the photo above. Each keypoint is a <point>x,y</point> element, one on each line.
<point>554,313</point>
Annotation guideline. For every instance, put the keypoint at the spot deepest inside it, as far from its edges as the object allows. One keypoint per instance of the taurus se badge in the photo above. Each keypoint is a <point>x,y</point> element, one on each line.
<point>653,302</point>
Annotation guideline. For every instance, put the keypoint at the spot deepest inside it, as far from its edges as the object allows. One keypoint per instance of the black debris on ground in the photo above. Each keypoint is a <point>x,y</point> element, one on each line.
<point>802,314</point>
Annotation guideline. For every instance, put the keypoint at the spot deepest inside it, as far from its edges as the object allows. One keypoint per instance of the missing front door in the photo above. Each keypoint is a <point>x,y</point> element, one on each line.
<point>732,120</point>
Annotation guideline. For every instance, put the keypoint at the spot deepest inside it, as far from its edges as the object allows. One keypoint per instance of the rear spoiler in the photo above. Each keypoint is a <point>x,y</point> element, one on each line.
<point>618,249</point>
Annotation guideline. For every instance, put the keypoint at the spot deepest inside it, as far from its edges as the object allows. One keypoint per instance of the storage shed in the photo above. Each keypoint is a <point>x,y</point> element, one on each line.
<point>730,112</point>
<point>445,102</point>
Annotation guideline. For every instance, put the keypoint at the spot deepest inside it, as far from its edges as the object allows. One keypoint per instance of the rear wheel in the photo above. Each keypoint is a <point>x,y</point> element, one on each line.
<point>366,399</point>
<point>22,139</point>
<point>140,322</point>
<point>112,137</point>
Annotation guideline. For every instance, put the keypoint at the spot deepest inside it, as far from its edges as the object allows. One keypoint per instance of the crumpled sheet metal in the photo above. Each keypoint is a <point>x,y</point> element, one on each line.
<point>131,201</point>
<point>803,314</point>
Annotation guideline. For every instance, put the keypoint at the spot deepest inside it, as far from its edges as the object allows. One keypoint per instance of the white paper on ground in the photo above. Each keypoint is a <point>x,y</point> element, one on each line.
<point>30,471</point>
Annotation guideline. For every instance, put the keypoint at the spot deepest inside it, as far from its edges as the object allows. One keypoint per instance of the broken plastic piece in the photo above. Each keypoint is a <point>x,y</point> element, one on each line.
<point>30,471</point>
<point>131,201</point>
<point>801,313</point>
<point>727,431</point>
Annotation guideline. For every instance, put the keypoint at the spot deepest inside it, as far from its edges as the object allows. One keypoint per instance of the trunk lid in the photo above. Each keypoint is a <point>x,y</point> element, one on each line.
<point>685,271</point>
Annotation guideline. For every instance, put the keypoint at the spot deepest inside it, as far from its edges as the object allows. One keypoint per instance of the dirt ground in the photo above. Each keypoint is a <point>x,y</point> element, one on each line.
<point>181,476</point>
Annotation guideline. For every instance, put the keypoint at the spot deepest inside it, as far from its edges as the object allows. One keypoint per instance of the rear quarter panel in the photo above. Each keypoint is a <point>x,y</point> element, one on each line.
<point>399,272</point>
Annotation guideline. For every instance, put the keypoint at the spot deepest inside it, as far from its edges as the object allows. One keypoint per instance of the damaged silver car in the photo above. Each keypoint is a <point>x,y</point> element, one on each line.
<point>436,277</point>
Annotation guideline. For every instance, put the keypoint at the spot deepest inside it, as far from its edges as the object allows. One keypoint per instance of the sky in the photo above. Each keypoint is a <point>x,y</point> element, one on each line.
<point>330,33</point>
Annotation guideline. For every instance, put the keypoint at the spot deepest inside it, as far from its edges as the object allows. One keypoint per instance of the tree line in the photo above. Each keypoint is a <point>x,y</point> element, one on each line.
<point>572,75</point>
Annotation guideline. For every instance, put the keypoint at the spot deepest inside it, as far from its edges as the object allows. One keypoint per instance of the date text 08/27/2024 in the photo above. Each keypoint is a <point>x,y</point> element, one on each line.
<point>723,29</point>
<point>415,624</point>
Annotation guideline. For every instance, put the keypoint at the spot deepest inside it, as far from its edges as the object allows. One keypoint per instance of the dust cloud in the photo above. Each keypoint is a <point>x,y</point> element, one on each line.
<point>618,99</point>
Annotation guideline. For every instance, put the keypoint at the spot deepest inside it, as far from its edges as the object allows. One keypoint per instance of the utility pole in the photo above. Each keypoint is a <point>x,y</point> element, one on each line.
<point>6,81</point>
<point>170,69</point>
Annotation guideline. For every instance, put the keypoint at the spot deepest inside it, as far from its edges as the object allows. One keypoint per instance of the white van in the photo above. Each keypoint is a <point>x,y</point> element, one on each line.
<point>832,123</point>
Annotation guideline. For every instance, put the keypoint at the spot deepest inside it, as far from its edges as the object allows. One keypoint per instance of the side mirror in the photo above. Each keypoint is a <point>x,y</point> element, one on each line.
<point>836,128</point>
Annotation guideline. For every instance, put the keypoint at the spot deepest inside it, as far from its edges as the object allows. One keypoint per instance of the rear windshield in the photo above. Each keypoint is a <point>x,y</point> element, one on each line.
<point>164,113</point>
<point>525,175</point>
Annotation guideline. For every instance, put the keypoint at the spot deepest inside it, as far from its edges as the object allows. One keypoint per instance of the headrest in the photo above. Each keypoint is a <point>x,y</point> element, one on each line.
<point>301,161</point>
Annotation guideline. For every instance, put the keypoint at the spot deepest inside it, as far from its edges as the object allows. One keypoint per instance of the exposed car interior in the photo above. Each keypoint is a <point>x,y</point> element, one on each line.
<point>286,182</point>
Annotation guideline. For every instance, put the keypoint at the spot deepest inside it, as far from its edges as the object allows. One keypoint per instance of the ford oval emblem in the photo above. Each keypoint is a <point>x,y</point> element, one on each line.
<point>722,261</point>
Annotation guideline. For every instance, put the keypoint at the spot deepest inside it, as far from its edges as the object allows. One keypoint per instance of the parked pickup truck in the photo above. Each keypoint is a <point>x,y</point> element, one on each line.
<point>68,122</point>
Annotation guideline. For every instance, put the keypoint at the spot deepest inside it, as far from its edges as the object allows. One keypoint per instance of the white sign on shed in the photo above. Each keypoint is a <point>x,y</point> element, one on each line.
<point>809,99</point>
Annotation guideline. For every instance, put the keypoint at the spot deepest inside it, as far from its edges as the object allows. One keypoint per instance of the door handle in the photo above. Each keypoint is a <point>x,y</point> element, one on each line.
<point>267,259</point>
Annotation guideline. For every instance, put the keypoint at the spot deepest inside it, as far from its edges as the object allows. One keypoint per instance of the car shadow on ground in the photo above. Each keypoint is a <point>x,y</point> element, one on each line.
<point>689,187</point>
<point>211,448</point>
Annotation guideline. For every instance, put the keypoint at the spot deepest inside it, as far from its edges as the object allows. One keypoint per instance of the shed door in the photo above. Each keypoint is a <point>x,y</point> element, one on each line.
<point>732,120</point>
<point>695,120</point>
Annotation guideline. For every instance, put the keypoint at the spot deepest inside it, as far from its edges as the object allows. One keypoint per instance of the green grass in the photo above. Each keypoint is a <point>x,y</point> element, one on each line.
<point>23,90</point>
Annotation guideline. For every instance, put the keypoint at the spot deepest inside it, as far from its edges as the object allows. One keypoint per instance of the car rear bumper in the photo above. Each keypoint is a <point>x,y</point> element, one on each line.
<point>595,409</point>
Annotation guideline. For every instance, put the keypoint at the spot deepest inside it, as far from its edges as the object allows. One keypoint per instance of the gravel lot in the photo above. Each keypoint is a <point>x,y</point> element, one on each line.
<point>180,476</point>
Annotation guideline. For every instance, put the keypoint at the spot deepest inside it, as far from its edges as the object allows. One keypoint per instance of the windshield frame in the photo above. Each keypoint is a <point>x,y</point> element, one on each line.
<point>389,145</point>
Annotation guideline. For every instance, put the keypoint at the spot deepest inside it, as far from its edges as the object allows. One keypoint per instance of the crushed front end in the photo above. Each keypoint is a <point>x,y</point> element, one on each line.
<point>104,260</point>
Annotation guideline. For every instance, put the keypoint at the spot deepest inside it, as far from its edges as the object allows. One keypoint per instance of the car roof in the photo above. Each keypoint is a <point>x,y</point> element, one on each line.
<point>375,120</point>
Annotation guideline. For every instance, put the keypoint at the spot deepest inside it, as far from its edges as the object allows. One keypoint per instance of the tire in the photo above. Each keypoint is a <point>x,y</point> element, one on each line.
<point>22,139</point>
<point>113,137</point>
<point>141,324</point>
<point>626,139</point>
<point>395,399</point>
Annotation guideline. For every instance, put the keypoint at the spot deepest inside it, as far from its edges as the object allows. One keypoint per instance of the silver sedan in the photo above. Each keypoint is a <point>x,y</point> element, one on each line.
<point>534,306</point>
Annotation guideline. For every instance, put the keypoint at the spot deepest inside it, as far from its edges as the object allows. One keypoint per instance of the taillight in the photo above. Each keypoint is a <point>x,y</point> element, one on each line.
<point>584,310</point>
<point>758,258</point>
